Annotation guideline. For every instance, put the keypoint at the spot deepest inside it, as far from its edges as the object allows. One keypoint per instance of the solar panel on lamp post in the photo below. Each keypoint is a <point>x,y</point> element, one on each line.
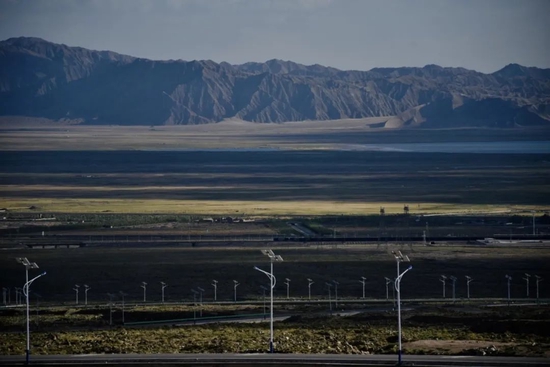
<point>144,286</point>
<point>215,285</point>
<point>76,287</point>
<point>28,265</point>
<point>399,258</point>
<point>273,281</point>
<point>287,282</point>
<point>509,278</point>
<point>453,279</point>
<point>468,281</point>
<point>443,279</point>
<point>235,285</point>
<point>309,283</point>
<point>527,276</point>
<point>538,279</point>
<point>162,286</point>
<point>363,281</point>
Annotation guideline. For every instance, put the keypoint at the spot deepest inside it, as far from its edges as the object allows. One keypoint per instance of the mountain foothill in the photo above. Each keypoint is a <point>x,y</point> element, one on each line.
<point>41,79</point>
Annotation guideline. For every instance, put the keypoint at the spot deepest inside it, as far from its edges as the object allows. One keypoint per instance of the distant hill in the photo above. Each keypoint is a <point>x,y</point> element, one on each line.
<point>47,80</point>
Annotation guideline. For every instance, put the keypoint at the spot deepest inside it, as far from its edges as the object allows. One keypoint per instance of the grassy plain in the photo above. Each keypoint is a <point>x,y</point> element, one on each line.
<point>458,330</point>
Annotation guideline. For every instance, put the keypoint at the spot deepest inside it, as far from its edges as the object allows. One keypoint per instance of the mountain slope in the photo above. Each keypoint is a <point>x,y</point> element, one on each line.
<point>43,79</point>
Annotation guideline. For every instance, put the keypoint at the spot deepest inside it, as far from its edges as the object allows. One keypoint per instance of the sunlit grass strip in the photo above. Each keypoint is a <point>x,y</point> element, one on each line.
<point>249,208</point>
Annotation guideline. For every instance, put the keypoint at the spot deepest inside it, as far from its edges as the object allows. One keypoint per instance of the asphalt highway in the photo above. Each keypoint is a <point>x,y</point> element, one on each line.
<point>287,360</point>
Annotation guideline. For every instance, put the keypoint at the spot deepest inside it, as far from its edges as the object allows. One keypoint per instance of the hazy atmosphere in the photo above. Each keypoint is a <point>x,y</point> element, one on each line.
<point>346,34</point>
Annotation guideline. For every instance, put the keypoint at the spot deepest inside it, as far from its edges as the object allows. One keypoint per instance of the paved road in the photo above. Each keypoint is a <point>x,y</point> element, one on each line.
<point>236,360</point>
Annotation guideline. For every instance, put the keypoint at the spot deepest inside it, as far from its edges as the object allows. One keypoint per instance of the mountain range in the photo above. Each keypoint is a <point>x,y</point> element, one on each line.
<point>54,81</point>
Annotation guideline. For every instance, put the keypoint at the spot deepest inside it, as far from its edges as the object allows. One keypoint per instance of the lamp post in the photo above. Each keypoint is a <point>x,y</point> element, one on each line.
<point>538,279</point>
<point>453,279</point>
<point>509,278</point>
<point>235,285</point>
<point>144,286</point>
<point>162,286</point>
<point>388,282</point>
<point>287,282</point>
<point>17,296</point>
<point>468,281</point>
<point>215,285</point>
<point>76,287</point>
<point>111,297</point>
<point>122,294</point>
<point>399,258</point>
<point>28,265</point>
<point>329,285</point>
<point>527,276</point>
<point>263,290</point>
<point>335,293</point>
<point>86,289</point>
<point>443,279</point>
<point>200,299</point>
<point>4,295</point>
<point>195,292</point>
<point>363,281</point>
<point>273,282</point>
<point>309,283</point>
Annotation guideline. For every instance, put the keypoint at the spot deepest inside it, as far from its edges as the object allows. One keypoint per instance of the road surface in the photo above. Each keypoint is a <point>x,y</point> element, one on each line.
<point>236,360</point>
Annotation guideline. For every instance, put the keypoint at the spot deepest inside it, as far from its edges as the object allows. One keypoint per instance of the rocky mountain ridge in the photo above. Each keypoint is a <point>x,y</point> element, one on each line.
<point>43,79</point>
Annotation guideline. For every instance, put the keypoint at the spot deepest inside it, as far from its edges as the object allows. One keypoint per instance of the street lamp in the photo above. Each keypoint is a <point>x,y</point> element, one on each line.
<point>329,285</point>
<point>76,290</point>
<point>399,258</point>
<point>163,285</point>
<point>538,279</point>
<point>263,290</point>
<point>28,265</point>
<point>335,293</point>
<point>144,286</point>
<point>86,289</point>
<point>287,282</point>
<point>111,297</point>
<point>235,285</point>
<point>363,281</point>
<point>453,279</point>
<point>273,281</point>
<point>388,282</point>
<point>215,285</point>
<point>443,279</point>
<point>194,303</point>
<point>527,276</point>
<point>309,283</point>
<point>509,278</point>
<point>468,280</point>
<point>122,294</point>
<point>200,302</point>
